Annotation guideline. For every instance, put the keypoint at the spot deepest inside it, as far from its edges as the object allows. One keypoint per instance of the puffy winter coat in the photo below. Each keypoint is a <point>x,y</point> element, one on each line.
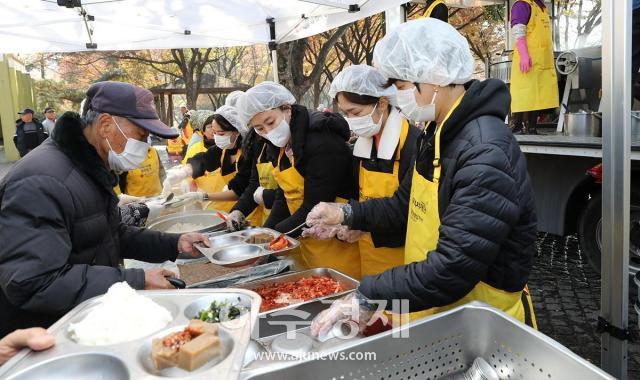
<point>488,223</point>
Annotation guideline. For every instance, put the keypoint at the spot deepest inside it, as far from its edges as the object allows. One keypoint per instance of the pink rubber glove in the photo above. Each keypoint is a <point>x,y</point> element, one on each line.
<point>525,58</point>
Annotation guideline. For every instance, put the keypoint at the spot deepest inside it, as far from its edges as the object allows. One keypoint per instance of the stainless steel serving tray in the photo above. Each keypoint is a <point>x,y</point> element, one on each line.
<point>348,284</point>
<point>132,360</point>
<point>206,218</point>
<point>234,249</point>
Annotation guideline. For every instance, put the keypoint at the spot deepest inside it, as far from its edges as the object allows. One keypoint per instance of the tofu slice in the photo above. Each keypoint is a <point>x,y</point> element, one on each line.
<point>163,357</point>
<point>197,352</point>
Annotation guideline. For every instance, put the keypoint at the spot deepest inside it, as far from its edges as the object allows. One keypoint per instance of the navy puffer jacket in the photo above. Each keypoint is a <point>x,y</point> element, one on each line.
<point>486,206</point>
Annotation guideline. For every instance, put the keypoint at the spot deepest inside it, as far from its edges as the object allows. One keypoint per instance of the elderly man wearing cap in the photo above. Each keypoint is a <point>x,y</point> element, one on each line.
<point>468,205</point>
<point>29,132</point>
<point>49,120</point>
<point>62,237</point>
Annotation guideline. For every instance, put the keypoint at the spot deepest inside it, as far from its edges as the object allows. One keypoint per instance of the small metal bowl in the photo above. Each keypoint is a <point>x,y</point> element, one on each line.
<point>87,366</point>
<point>254,350</point>
<point>295,346</point>
<point>240,300</point>
<point>239,255</point>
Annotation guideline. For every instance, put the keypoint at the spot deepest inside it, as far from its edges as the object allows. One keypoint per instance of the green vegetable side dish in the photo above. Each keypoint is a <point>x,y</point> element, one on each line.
<point>220,312</point>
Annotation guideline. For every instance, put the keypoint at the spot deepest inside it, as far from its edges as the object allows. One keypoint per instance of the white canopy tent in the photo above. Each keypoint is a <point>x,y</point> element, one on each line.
<point>28,26</point>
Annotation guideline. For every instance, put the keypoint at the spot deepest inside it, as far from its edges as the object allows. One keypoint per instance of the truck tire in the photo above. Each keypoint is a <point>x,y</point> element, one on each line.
<point>590,232</point>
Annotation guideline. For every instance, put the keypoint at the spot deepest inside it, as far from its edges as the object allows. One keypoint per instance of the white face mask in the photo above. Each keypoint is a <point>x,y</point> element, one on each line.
<point>364,126</point>
<point>224,141</point>
<point>280,135</point>
<point>410,108</point>
<point>133,155</point>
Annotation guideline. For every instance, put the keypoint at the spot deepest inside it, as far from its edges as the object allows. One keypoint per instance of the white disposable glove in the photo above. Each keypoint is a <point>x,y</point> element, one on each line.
<point>174,177</point>
<point>257,195</point>
<point>125,199</point>
<point>181,200</point>
<point>155,208</point>
<point>329,214</point>
<point>352,307</point>
<point>236,220</point>
<point>350,236</point>
<point>321,231</point>
<point>177,174</point>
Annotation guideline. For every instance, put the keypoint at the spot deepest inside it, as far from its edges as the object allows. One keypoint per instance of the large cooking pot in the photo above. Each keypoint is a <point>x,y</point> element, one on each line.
<point>188,221</point>
<point>635,125</point>
<point>583,124</point>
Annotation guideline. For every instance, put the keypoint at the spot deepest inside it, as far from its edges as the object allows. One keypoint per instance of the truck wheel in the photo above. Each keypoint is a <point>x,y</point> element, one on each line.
<point>590,232</point>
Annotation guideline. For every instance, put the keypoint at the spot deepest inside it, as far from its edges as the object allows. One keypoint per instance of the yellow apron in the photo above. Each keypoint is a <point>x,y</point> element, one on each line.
<point>145,180</point>
<point>193,150</point>
<point>380,185</point>
<point>174,146</point>
<point>267,180</point>
<point>427,13</point>
<point>422,237</point>
<point>333,253</point>
<point>207,182</point>
<point>219,181</point>
<point>187,132</point>
<point>537,89</point>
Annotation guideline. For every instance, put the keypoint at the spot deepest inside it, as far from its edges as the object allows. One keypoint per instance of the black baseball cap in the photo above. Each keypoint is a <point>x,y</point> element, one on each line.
<point>26,110</point>
<point>48,109</point>
<point>131,102</point>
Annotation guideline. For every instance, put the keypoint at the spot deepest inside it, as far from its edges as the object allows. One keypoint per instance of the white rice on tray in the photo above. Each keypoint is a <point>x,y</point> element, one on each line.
<point>122,315</point>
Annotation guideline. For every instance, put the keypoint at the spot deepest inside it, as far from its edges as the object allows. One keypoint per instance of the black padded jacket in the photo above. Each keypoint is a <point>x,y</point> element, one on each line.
<point>486,206</point>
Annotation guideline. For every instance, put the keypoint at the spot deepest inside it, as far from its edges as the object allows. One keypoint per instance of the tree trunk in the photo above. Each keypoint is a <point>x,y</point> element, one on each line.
<point>316,94</point>
<point>192,93</point>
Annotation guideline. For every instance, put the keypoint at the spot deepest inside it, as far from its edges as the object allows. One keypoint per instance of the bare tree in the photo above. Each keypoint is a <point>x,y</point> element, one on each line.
<point>291,62</point>
<point>185,64</point>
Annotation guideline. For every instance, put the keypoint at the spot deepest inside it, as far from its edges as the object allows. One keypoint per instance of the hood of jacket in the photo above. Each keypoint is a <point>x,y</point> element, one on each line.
<point>482,98</point>
<point>70,139</point>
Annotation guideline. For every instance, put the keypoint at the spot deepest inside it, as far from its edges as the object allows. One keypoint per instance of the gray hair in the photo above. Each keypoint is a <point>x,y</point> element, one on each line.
<point>91,116</point>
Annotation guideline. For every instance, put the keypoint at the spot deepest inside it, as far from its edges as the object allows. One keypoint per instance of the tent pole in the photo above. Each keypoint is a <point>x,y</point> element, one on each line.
<point>274,65</point>
<point>613,321</point>
<point>273,46</point>
<point>394,17</point>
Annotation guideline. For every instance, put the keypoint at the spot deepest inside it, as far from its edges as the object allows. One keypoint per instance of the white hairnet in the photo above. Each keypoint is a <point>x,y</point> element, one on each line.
<point>425,51</point>
<point>263,97</point>
<point>231,115</point>
<point>362,80</point>
<point>232,98</point>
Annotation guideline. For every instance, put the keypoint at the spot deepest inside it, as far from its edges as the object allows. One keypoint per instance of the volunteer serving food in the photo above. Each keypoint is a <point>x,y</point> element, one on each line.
<point>312,164</point>
<point>221,172</point>
<point>468,205</point>
<point>383,156</point>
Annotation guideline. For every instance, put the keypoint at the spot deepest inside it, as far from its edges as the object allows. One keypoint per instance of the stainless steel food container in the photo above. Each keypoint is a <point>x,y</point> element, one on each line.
<point>583,124</point>
<point>234,249</point>
<point>132,359</point>
<point>208,219</point>
<point>347,283</point>
<point>438,347</point>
